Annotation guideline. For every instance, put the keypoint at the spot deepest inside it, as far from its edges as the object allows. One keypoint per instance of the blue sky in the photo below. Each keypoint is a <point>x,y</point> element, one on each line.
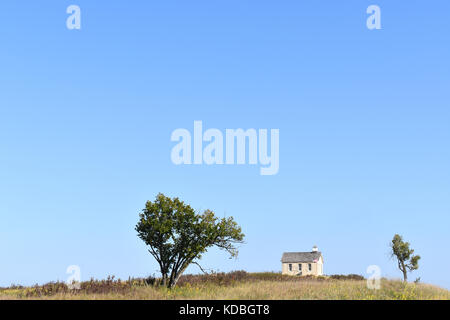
<point>86,117</point>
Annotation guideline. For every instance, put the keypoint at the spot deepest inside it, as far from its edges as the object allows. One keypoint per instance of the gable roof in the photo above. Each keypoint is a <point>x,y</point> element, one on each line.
<point>293,257</point>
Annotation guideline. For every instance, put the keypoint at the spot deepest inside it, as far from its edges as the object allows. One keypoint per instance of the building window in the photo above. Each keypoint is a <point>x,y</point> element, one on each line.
<point>299,267</point>
<point>290,267</point>
<point>309,266</point>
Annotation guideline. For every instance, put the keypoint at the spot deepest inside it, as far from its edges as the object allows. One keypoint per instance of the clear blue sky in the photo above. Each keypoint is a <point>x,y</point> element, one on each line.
<point>86,118</point>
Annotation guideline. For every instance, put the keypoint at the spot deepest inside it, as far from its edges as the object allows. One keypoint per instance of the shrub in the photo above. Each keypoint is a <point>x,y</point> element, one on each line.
<point>347,277</point>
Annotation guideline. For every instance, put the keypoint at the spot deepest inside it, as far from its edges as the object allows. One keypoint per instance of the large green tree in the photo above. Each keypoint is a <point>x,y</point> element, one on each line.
<point>406,259</point>
<point>177,236</point>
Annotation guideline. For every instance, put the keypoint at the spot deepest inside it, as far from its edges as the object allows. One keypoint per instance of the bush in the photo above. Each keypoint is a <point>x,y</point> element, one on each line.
<point>347,277</point>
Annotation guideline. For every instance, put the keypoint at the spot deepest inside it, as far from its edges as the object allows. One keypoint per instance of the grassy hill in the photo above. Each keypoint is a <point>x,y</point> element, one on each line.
<point>234,285</point>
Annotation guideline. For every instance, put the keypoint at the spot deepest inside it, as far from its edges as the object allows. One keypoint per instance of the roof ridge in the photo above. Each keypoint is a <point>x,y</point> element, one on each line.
<point>305,256</point>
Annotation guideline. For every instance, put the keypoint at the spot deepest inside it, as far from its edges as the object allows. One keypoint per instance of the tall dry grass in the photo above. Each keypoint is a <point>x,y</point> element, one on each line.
<point>237,285</point>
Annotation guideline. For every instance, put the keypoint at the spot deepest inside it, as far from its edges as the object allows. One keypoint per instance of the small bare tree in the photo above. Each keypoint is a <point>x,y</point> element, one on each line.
<point>406,259</point>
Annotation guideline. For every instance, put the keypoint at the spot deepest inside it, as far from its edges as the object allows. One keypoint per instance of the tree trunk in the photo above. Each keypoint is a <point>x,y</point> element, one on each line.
<point>405,272</point>
<point>174,283</point>
<point>174,279</point>
<point>176,274</point>
<point>164,280</point>
<point>164,277</point>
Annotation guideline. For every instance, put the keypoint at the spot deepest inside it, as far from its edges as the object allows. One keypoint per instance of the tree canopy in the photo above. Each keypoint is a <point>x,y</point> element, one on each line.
<point>177,236</point>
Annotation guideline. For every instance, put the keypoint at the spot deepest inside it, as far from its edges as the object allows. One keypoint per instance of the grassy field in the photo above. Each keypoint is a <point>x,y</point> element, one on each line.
<point>235,285</point>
